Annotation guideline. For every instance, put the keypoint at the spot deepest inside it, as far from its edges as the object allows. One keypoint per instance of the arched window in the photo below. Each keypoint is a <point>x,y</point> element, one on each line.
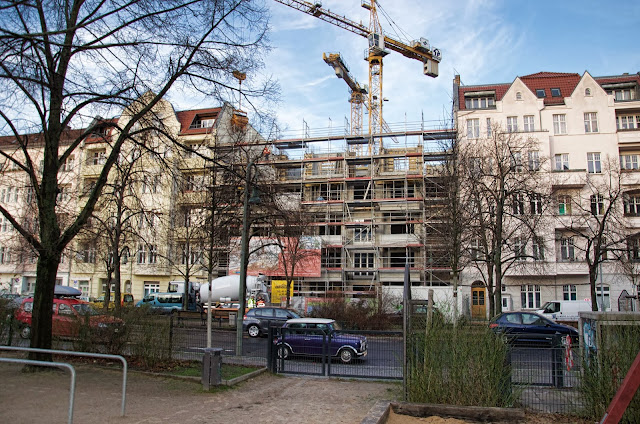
<point>587,92</point>
<point>518,96</point>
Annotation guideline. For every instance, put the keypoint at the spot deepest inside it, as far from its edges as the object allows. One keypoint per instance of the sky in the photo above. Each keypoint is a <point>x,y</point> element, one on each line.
<point>483,41</point>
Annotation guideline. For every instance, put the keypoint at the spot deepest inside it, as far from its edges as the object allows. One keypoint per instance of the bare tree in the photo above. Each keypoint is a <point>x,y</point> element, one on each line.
<point>506,193</point>
<point>595,227</point>
<point>64,62</point>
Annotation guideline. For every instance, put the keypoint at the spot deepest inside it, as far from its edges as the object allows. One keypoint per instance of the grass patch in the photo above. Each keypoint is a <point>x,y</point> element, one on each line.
<point>194,369</point>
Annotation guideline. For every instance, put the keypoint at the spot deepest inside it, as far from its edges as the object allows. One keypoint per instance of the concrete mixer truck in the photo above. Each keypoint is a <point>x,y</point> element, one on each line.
<point>227,288</point>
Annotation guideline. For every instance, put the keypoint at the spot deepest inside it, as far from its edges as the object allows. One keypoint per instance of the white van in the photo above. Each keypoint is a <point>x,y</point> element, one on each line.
<point>564,310</point>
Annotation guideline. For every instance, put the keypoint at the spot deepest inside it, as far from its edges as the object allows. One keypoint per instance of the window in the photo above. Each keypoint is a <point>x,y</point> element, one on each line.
<point>191,255</point>
<point>623,94</point>
<point>512,124</point>
<point>151,287</point>
<point>562,161</point>
<point>633,247</point>
<point>153,254</point>
<point>362,234</point>
<point>555,92</point>
<point>331,258</point>
<point>518,95</point>
<point>400,164</point>
<point>535,203</point>
<point>475,249</point>
<point>632,205</point>
<point>479,102</point>
<point>591,122</point>
<point>597,204</point>
<point>537,246</point>
<point>67,165</point>
<point>363,260</point>
<point>567,249</point>
<point>629,162</point>
<point>593,163</point>
<point>473,128</point>
<point>628,122</point>
<point>519,248</point>
<point>64,193</point>
<point>489,129</point>
<point>564,204</point>
<point>202,122</point>
<point>88,253</point>
<point>587,92</point>
<point>518,204</point>
<point>602,298</point>
<point>530,296</point>
<point>142,253</point>
<point>5,255</point>
<point>569,292</point>
<point>97,157</point>
<point>528,123</point>
<point>559,124</point>
<point>516,161</point>
<point>534,160</point>
<point>540,93</point>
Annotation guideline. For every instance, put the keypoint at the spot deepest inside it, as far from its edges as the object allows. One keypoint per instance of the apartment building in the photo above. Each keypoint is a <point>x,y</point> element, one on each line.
<point>587,133</point>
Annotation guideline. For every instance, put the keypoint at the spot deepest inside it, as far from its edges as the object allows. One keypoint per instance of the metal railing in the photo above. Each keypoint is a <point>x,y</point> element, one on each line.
<point>84,354</point>
<point>72,389</point>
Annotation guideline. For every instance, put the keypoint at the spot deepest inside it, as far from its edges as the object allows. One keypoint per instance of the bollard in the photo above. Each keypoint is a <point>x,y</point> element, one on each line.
<point>211,368</point>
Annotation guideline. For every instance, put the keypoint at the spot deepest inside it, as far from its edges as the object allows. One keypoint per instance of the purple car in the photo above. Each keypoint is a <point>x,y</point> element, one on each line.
<point>315,336</point>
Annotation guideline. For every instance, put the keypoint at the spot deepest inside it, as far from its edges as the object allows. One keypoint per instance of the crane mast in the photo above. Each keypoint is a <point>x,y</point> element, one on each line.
<point>378,45</point>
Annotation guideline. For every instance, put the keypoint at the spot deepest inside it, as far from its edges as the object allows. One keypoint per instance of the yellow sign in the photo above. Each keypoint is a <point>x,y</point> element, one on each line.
<point>279,291</point>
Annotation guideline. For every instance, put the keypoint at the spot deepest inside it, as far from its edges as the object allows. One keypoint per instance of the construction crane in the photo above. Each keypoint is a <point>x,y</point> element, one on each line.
<point>358,92</point>
<point>378,45</point>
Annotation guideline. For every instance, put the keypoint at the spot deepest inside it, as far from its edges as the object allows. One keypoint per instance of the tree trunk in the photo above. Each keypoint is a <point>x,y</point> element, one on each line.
<point>41,338</point>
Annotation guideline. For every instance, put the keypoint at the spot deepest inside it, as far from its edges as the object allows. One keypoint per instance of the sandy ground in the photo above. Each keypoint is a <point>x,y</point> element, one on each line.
<point>44,398</point>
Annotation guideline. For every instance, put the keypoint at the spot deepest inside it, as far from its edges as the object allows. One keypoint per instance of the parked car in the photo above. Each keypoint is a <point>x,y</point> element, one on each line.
<point>529,327</point>
<point>165,302</point>
<point>11,300</point>
<point>308,336</point>
<point>257,321</point>
<point>564,310</point>
<point>69,314</point>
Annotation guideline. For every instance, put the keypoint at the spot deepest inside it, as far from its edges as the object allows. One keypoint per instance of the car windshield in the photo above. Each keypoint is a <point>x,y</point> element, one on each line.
<point>84,309</point>
<point>335,326</point>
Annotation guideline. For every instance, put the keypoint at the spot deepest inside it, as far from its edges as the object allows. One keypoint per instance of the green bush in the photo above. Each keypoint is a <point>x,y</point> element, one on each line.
<point>462,365</point>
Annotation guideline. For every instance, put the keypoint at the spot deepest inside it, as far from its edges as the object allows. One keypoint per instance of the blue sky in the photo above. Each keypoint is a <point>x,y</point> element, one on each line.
<point>485,41</point>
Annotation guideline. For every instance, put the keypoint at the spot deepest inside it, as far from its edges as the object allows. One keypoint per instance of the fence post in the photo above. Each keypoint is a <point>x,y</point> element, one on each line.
<point>557,363</point>
<point>211,367</point>
<point>271,363</point>
<point>171,335</point>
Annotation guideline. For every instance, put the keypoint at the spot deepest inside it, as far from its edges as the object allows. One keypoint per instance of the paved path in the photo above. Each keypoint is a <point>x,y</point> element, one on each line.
<point>43,398</point>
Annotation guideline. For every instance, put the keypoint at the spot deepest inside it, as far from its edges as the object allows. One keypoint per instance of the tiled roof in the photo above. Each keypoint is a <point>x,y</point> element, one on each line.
<point>548,80</point>
<point>186,117</point>
<point>35,139</point>
<point>566,82</point>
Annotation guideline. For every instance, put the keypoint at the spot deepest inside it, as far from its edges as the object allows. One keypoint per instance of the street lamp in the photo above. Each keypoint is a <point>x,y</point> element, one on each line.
<point>244,255</point>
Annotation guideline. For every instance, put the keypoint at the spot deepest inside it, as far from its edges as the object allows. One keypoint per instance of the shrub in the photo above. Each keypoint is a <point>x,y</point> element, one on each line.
<point>462,365</point>
<point>362,314</point>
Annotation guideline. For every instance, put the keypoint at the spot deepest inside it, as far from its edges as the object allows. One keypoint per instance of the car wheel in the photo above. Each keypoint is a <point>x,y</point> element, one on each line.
<point>346,355</point>
<point>253,330</point>
<point>25,332</point>
<point>284,352</point>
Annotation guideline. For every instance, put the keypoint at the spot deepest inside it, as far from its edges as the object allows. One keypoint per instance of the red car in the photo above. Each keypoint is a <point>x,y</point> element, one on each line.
<point>68,316</point>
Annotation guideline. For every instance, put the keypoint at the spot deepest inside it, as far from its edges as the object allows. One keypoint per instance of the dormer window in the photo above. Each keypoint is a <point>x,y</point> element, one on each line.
<point>480,100</point>
<point>202,122</point>
<point>622,91</point>
<point>540,93</point>
<point>555,92</point>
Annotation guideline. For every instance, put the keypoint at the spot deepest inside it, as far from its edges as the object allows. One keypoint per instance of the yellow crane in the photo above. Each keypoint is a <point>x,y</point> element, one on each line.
<point>358,92</point>
<point>378,45</point>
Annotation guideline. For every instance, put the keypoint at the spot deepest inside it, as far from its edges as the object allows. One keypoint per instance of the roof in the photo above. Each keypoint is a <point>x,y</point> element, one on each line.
<point>36,139</point>
<point>186,117</point>
<point>566,82</point>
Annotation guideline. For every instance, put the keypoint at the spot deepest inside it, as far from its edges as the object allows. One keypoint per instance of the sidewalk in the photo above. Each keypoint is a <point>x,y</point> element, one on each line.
<point>44,398</point>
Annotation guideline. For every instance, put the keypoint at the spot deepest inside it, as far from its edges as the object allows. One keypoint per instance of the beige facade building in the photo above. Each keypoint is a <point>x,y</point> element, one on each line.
<point>587,132</point>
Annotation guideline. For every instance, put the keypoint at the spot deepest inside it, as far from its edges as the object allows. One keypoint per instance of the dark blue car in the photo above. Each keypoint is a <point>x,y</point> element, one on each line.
<point>530,328</point>
<point>317,337</point>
